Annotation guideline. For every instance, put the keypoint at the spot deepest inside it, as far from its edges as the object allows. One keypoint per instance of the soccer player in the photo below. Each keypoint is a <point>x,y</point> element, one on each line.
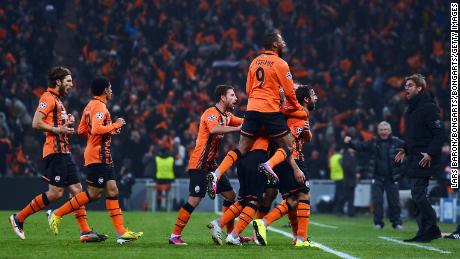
<point>267,73</point>
<point>214,123</point>
<point>96,124</point>
<point>252,186</point>
<point>59,169</point>
<point>293,184</point>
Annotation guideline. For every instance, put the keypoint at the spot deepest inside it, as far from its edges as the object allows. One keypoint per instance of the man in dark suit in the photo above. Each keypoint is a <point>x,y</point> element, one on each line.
<point>424,138</point>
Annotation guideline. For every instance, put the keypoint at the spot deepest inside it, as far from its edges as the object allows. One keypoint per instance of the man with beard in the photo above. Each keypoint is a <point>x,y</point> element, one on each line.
<point>267,74</point>
<point>386,173</point>
<point>59,169</point>
<point>424,138</point>
<point>214,123</point>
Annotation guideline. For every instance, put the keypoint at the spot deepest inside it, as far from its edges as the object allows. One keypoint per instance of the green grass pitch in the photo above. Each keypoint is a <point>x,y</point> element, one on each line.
<point>352,236</point>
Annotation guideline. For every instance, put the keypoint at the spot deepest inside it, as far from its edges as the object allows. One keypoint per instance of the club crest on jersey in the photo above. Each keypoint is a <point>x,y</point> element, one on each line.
<point>211,118</point>
<point>298,130</point>
<point>197,189</point>
<point>99,115</point>
<point>42,105</point>
<point>289,75</point>
<point>100,180</point>
<point>57,178</point>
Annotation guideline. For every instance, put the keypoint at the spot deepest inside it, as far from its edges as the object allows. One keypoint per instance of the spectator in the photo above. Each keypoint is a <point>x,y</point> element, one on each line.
<point>164,60</point>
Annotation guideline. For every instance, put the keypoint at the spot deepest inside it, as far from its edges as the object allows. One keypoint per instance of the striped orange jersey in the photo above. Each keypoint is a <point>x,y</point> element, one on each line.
<point>55,115</point>
<point>207,145</point>
<point>96,124</point>
<point>267,74</point>
<point>297,127</point>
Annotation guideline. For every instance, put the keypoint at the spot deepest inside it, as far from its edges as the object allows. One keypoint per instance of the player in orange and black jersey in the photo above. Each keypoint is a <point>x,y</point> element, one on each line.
<point>96,124</point>
<point>268,73</point>
<point>214,123</point>
<point>252,187</point>
<point>59,169</point>
<point>293,179</point>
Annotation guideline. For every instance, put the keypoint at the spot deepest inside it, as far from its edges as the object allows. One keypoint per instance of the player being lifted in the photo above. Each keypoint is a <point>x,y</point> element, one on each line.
<point>214,123</point>
<point>96,124</point>
<point>293,180</point>
<point>59,169</point>
<point>267,74</point>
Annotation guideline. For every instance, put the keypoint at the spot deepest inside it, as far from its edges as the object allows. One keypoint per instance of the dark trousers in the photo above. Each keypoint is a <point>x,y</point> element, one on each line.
<point>424,213</point>
<point>394,207</point>
<point>344,193</point>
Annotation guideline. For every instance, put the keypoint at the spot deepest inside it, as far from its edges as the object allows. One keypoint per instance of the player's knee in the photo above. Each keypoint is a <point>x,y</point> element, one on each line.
<point>194,201</point>
<point>304,196</point>
<point>292,203</point>
<point>229,196</point>
<point>55,194</point>
<point>112,191</point>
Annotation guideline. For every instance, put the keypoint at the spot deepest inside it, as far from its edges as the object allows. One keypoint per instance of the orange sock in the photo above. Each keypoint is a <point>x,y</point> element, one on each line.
<point>303,218</point>
<point>75,203</point>
<point>230,224</point>
<point>230,214</point>
<point>82,219</point>
<point>279,156</point>
<point>276,213</point>
<point>36,205</point>
<point>246,216</point>
<point>261,212</point>
<point>111,203</point>
<point>182,218</point>
<point>293,221</point>
<point>227,162</point>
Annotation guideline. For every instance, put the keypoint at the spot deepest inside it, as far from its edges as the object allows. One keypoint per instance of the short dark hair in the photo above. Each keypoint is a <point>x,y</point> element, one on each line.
<point>221,90</point>
<point>269,39</point>
<point>302,92</point>
<point>57,73</point>
<point>99,85</point>
<point>418,79</point>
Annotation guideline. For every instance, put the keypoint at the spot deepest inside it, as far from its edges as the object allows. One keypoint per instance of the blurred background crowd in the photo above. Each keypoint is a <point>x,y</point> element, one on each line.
<point>164,59</point>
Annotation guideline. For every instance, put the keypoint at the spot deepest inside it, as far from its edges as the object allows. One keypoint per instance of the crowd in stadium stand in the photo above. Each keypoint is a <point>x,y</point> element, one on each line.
<point>164,59</point>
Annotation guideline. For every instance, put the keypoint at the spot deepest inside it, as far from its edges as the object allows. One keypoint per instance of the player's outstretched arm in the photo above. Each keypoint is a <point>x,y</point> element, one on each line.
<point>224,129</point>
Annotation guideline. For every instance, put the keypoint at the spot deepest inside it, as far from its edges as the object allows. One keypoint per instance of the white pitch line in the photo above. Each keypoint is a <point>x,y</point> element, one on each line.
<point>322,247</point>
<point>415,244</point>
<point>322,225</point>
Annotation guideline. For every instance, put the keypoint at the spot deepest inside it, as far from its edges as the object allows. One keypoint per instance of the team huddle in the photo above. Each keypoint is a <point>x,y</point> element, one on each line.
<point>268,158</point>
<point>276,124</point>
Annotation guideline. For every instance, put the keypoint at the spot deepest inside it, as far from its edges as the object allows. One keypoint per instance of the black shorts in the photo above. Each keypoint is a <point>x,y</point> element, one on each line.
<point>273,122</point>
<point>252,182</point>
<point>287,185</point>
<point>98,174</point>
<point>197,185</point>
<point>60,170</point>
